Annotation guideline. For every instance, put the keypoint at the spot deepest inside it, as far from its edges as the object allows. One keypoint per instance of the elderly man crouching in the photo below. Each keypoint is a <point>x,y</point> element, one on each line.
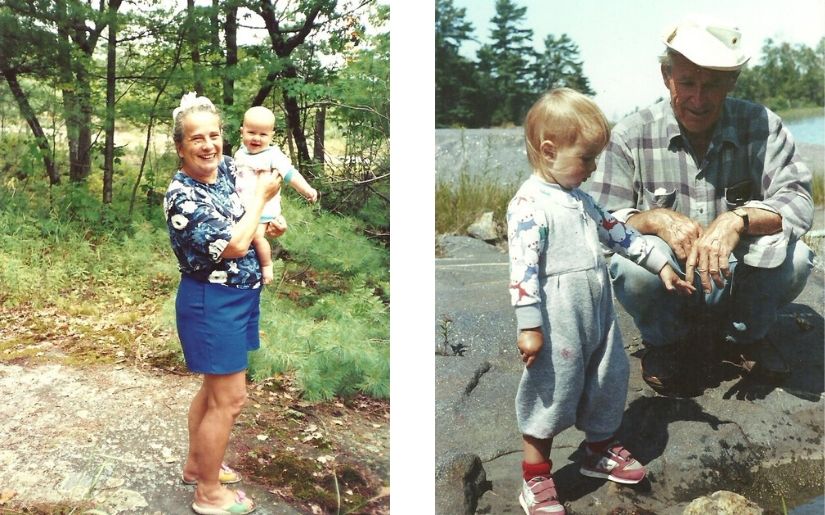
<point>717,184</point>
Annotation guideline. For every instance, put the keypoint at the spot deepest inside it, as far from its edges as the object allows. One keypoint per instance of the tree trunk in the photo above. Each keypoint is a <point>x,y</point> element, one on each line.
<point>82,164</point>
<point>31,118</point>
<point>293,112</point>
<point>194,42</point>
<point>293,120</point>
<point>318,137</point>
<point>71,111</point>
<point>231,32</point>
<point>109,157</point>
<point>150,125</point>
<point>283,48</point>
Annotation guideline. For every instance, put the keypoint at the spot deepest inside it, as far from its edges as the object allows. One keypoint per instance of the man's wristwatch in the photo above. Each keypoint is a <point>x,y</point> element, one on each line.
<point>741,213</point>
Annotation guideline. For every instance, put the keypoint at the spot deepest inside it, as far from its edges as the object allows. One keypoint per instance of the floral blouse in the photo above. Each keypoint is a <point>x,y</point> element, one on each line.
<point>200,218</point>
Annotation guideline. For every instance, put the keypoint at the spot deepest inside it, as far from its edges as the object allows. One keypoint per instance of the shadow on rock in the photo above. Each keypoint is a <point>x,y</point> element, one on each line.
<point>797,336</point>
<point>705,361</point>
<point>646,420</point>
<point>645,433</point>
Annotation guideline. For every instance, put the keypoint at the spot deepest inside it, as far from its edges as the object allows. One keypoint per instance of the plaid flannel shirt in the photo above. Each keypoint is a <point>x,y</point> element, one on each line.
<point>751,161</point>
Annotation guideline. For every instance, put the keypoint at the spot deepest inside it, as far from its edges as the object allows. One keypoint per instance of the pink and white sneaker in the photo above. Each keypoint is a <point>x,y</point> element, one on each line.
<point>538,496</point>
<point>615,463</point>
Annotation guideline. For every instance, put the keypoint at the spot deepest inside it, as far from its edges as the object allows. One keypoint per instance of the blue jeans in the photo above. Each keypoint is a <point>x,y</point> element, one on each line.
<point>743,310</point>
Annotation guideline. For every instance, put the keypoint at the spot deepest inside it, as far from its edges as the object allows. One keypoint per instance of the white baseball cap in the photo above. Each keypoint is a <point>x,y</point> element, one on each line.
<point>707,43</point>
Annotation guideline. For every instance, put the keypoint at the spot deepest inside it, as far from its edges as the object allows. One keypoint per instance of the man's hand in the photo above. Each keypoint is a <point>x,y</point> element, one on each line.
<point>677,230</point>
<point>710,255</point>
<point>530,342</point>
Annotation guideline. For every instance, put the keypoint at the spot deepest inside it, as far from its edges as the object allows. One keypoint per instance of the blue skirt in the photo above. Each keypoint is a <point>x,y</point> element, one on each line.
<point>217,325</point>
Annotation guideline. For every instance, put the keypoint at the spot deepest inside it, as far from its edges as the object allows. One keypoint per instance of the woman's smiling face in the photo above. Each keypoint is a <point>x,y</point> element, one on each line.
<point>201,149</point>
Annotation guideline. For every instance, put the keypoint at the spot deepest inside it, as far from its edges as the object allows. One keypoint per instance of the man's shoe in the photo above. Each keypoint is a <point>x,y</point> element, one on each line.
<point>760,360</point>
<point>659,368</point>
<point>539,496</point>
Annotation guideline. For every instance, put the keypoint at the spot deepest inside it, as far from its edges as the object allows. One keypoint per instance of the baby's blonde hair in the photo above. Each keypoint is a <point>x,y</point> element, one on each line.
<point>261,113</point>
<point>563,116</point>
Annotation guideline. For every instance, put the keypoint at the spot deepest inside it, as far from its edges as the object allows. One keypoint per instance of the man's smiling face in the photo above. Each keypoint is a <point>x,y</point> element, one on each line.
<point>697,94</point>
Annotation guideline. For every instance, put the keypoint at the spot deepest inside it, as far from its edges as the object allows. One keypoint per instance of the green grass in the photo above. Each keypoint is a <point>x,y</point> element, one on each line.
<point>818,189</point>
<point>801,112</point>
<point>458,203</point>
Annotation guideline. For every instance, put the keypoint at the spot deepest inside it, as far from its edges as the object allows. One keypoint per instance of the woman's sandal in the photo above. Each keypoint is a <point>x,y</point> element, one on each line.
<point>242,505</point>
<point>226,476</point>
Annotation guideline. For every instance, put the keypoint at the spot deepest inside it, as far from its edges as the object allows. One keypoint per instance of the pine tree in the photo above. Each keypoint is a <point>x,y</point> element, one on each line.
<point>560,66</point>
<point>506,64</point>
<point>456,78</point>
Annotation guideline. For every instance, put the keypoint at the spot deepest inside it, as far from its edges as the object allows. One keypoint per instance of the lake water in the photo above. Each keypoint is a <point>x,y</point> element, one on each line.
<point>808,130</point>
<point>815,507</point>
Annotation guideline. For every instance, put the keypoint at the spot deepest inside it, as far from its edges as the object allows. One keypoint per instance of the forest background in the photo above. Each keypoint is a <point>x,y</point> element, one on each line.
<point>508,73</point>
<point>85,123</point>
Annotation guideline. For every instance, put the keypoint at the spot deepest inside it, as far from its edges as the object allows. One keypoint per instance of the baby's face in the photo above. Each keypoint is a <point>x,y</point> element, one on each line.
<point>256,135</point>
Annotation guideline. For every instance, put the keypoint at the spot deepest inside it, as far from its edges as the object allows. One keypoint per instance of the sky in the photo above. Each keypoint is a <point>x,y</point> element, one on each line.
<point>620,41</point>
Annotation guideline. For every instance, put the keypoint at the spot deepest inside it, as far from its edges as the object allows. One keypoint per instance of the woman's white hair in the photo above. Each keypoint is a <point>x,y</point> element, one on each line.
<point>189,103</point>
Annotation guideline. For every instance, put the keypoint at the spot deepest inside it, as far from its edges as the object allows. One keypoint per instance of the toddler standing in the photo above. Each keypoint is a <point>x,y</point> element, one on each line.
<point>254,155</point>
<point>576,369</point>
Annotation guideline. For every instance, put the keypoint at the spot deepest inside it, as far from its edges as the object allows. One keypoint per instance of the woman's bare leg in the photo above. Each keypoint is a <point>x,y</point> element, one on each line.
<point>196,412</point>
<point>225,396</point>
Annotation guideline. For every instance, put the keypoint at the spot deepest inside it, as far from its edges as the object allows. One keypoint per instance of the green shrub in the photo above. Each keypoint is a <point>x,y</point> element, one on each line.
<point>460,202</point>
<point>335,334</point>
<point>339,346</point>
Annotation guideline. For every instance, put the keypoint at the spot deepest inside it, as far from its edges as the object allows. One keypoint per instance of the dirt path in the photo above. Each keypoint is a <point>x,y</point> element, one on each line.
<point>112,438</point>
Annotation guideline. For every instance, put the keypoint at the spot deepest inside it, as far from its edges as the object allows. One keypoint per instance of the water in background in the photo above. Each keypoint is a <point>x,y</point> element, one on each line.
<point>808,130</point>
<point>815,507</point>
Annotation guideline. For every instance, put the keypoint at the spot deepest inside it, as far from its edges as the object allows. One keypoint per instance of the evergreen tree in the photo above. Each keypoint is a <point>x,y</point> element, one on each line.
<point>456,78</point>
<point>506,63</point>
<point>788,76</point>
<point>560,66</point>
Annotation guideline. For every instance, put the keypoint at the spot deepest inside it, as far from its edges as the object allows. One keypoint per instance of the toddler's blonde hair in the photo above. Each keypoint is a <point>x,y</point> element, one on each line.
<point>563,116</point>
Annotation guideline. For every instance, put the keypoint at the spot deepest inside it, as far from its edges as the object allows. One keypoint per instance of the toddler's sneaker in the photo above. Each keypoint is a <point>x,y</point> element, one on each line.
<point>539,496</point>
<point>615,463</point>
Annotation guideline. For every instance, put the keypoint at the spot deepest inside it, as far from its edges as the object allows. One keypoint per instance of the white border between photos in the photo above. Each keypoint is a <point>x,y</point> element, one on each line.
<point>412,265</point>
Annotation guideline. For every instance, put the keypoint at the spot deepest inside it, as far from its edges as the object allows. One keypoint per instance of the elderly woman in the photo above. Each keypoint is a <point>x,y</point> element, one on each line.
<point>217,304</point>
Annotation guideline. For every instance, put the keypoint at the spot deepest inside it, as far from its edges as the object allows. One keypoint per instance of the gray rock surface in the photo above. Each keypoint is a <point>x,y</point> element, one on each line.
<point>484,228</point>
<point>763,442</point>
<point>461,481</point>
<point>722,502</point>
<point>113,437</point>
<point>496,153</point>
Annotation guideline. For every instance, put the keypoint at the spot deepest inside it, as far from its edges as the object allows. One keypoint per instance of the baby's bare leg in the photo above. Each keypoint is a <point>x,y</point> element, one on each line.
<point>264,251</point>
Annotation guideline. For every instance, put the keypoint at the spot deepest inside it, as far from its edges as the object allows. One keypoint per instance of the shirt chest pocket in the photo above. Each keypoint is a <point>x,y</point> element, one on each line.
<point>738,194</point>
<point>659,198</point>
